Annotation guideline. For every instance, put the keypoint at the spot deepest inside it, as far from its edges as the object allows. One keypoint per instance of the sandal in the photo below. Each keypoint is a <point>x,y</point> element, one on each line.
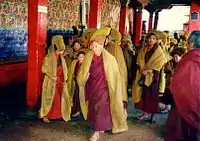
<point>46,120</point>
<point>143,117</point>
<point>76,115</point>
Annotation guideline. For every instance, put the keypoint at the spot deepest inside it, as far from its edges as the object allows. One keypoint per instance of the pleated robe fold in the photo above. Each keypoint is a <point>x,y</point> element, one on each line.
<point>49,68</point>
<point>114,84</point>
<point>116,51</point>
<point>73,86</point>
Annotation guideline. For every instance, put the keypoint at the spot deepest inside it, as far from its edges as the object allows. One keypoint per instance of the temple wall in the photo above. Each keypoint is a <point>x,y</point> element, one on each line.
<point>62,15</point>
<point>110,14</point>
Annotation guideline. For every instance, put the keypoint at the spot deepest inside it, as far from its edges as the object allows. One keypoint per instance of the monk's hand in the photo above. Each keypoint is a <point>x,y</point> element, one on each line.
<point>55,78</point>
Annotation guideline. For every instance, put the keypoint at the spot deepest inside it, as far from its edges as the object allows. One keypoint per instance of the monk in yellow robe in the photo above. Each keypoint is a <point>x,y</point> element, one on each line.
<point>112,45</point>
<point>56,102</point>
<point>100,88</point>
<point>130,57</point>
<point>145,92</point>
<point>73,85</point>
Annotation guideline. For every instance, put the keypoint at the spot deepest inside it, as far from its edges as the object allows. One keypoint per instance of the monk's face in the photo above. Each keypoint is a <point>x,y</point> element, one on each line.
<point>97,48</point>
<point>177,58</point>
<point>81,58</point>
<point>59,52</point>
<point>76,46</point>
<point>152,40</point>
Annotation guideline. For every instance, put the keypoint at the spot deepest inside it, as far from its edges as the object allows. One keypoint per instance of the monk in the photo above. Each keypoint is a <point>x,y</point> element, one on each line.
<point>129,56</point>
<point>183,121</point>
<point>112,45</point>
<point>145,92</point>
<point>100,88</point>
<point>169,68</point>
<point>72,83</point>
<point>55,103</point>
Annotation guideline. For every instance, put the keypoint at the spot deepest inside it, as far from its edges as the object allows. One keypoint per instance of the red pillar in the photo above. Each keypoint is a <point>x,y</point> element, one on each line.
<point>123,18</point>
<point>94,19</point>
<point>37,30</point>
<point>194,23</point>
<point>150,21</point>
<point>138,25</point>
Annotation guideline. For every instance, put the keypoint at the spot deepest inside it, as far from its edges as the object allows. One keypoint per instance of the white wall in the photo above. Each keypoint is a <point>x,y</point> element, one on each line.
<point>171,19</point>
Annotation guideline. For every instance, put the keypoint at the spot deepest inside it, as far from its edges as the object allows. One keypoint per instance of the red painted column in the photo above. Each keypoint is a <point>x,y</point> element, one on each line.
<point>138,25</point>
<point>37,31</point>
<point>94,19</point>
<point>123,18</point>
<point>150,21</point>
<point>194,23</point>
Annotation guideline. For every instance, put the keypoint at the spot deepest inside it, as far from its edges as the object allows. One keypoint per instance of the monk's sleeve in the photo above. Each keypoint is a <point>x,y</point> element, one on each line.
<point>46,67</point>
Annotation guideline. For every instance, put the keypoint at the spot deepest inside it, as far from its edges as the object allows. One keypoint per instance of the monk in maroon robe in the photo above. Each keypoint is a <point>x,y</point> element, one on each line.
<point>184,120</point>
<point>100,87</point>
<point>145,92</point>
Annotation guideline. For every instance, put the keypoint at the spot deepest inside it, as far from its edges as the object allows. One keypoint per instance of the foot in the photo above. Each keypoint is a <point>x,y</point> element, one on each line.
<point>143,117</point>
<point>46,120</point>
<point>76,115</point>
<point>95,136</point>
<point>165,111</point>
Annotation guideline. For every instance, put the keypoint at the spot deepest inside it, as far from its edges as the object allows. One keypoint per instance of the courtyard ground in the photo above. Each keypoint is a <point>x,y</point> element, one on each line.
<point>29,128</point>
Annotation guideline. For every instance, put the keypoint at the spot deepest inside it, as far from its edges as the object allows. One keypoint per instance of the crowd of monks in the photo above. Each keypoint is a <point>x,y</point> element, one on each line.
<point>90,76</point>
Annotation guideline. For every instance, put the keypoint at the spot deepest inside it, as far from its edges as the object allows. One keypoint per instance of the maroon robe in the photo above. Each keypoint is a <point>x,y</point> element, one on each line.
<point>76,102</point>
<point>177,129</point>
<point>186,92</point>
<point>150,96</point>
<point>97,94</point>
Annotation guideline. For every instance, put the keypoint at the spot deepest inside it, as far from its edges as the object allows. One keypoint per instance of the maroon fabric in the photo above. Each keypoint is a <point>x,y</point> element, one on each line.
<point>177,129</point>
<point>55,111</point>
<point>76,101</point>
<point>98,96</point>
<point>150,96</point>
<point>185,87</point>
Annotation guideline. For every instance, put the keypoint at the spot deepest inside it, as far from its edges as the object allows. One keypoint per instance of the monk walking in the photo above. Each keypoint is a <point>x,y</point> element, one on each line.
<point>100,87</point>
<point>55,103</point>
<point>183,121</point>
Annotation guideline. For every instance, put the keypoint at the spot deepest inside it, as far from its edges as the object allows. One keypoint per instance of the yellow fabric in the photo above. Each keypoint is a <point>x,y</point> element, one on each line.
<point>162,81</point>
<point>156,62</point>
<point>58,42</point>
<point>49,68</point>
<point>100,35</point>
<point>115,36</point>
<point>71,82</point>
<point>117,52</point>
<point>85,37</point>
<point>114,85</point>
<point>127,37</point>
<point>114,48</point>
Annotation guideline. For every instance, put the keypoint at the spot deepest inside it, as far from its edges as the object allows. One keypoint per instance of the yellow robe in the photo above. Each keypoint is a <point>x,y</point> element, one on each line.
<point>116,51</point>
<point>113,76</point>
<point>70,81</point>
<point>156,62</point>
<point>49,68</point>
